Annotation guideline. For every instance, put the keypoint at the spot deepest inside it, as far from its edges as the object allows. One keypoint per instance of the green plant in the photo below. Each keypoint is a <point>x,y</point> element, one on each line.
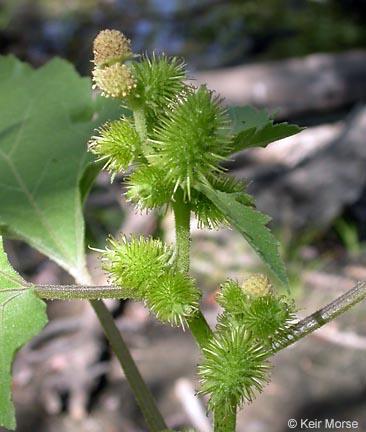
<point>169,143</point>
<point>348,235</point>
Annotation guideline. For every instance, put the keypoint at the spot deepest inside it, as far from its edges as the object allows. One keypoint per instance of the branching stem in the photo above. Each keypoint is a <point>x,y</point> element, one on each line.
<point>326,314</point>
<point>199,326</point>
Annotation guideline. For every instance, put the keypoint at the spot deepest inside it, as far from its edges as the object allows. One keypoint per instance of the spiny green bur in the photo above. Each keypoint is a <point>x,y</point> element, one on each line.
<point>134,264</point>
<point>117,144</point>
<point>174,298</point>
<point>266,315</point>
<point>233,369</point>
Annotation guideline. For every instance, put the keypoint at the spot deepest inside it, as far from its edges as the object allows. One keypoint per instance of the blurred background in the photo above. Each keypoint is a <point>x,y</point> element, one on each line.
<point>305,61</point>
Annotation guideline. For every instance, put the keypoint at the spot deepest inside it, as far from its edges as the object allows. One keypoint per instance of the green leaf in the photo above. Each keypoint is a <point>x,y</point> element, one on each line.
<point>252,225</point>
<point>254,128</point>
<point>22,316</point>
<point>46,118</point>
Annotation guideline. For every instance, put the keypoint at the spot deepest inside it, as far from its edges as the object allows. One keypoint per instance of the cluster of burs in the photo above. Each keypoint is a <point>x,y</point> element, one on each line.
<point>174,141</point>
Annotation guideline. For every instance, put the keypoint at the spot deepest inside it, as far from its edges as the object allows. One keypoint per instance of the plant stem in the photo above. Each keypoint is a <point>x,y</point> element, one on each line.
<point>325,314</point>
<point>142,394</point>
<point>140,123</point>
<point>200,330</point>
<point>224,422</point>
<point>182,214</point>
<point>74,292</point>
<point>197,324</point>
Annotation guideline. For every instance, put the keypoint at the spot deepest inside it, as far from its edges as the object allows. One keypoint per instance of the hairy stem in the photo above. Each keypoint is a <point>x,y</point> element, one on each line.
<point>182,214</point>
<point>224,422</point>
<point>74,292</point>
<point>197,324</point>
<point>300,329</point>
<point>142,394</point>
<point>140,123</point>
<point>325,314</point>
<point>200,330</point>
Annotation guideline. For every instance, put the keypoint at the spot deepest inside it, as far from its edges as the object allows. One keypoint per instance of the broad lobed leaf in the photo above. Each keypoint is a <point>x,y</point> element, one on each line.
<point>255,128</point>
<point>46,118</point>
<point>22,316</point>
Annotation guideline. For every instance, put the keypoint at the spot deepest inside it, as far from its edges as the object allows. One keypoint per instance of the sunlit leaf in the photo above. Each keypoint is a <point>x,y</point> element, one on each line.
<point>46,118</point>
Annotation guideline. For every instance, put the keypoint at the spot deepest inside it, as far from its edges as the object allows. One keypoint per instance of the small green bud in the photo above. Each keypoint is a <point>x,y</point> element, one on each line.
<point>257,285</point>
<point>173,298</point>
<point>118,143</point>
<point>111,46</point>
<point>234,368</point>
<point>115,81</point>
<point>135,264</point>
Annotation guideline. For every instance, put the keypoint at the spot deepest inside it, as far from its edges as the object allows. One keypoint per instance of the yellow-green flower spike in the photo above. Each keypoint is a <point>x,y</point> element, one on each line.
<point>257,285</point>
<point>115,81</point>
<point>111,46</point>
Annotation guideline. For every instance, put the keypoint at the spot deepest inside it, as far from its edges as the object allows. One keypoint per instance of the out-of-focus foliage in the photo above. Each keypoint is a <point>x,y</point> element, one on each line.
<point>208,33</point>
